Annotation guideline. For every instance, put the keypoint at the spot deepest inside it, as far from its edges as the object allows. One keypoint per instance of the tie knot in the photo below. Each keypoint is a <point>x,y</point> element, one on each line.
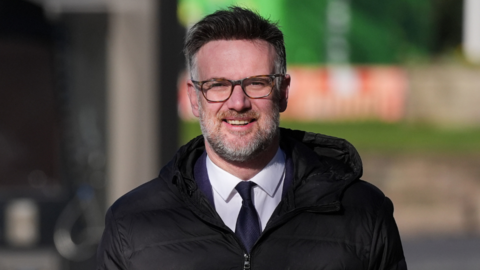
<point>244,188</point>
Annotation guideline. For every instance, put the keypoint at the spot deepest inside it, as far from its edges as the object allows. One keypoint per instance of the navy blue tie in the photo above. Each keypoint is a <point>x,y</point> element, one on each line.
<point>248,226</point>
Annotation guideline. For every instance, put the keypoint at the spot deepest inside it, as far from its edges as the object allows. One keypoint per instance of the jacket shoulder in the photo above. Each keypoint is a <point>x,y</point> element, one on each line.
<point>361,194</point>
<point>153,195</point>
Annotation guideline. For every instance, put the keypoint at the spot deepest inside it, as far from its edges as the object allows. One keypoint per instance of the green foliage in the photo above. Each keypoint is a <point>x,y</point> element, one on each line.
<point>397,137</point>
<point>191,11</point>
<point>188,131</point>
<point>382,137</point>
<point>303,25</point>
<point>380,32</point>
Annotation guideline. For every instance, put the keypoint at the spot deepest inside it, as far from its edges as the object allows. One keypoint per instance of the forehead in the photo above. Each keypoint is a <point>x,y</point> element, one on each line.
<point>235,59</point>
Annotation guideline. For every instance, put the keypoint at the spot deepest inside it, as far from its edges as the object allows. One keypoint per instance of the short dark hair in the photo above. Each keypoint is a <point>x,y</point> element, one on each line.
<point>235,23</point>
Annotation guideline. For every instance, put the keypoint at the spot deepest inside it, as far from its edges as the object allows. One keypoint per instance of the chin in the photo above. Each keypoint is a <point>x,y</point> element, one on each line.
<point>241,149</point>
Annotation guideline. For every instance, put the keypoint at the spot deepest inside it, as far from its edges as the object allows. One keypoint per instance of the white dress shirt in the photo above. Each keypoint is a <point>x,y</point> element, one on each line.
<point>267,192</point>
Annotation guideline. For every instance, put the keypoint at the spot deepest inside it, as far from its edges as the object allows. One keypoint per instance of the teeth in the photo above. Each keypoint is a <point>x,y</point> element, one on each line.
<point>237,122</point>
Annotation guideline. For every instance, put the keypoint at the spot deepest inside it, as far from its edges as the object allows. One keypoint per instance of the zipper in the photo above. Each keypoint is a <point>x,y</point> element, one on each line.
<point>246,262</point>
<point>209,215</point>
<point>330,208</point>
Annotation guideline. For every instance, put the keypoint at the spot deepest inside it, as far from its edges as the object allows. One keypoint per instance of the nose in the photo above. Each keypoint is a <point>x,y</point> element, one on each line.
<point>238,101</point>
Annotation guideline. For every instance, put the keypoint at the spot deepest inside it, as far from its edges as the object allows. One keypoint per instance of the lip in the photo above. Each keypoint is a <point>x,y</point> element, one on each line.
<point>236,123</point>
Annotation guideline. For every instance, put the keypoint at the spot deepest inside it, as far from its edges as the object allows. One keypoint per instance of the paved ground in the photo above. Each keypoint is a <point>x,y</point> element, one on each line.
<point>452,253</point>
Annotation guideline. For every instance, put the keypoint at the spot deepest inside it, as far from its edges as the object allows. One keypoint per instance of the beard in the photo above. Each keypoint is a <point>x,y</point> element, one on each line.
<point>240,149</point>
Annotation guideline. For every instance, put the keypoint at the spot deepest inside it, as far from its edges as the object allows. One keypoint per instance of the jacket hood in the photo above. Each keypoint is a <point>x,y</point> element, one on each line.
<point>327,146</point>
<point>324,166</point>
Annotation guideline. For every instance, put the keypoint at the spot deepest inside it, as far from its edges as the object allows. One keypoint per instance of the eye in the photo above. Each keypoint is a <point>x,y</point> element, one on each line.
<point>259,82</point>
<point>216,85</point>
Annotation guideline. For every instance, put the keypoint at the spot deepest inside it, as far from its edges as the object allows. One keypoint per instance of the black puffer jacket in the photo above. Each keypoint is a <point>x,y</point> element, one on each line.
<point>329,219</point>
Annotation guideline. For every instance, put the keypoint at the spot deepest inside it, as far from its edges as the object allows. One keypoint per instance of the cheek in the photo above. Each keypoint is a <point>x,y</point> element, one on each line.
<point>266,108</point>
<point>209,111</point>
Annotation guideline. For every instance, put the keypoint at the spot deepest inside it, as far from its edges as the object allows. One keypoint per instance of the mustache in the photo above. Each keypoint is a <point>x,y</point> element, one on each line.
<point>235,114</point>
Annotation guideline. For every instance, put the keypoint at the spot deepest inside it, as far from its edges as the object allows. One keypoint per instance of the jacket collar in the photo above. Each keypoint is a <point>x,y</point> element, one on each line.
<point>323,167</point>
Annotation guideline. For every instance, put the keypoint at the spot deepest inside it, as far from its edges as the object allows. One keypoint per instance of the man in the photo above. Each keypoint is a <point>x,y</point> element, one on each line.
<point>247,194</point>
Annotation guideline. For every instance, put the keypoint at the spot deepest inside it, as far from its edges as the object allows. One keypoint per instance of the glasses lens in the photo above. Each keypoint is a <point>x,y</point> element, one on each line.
<point>258,86</point>
<point>217,90</point>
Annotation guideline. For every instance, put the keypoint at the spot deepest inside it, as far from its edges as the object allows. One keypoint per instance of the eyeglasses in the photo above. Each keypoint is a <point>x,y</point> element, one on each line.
<point>219,90</point>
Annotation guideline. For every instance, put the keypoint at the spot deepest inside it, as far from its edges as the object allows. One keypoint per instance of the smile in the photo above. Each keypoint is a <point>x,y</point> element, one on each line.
<point>238,122</point>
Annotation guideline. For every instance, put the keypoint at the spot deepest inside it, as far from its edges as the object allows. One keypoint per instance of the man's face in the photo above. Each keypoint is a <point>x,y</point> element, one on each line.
<point>239,128</point>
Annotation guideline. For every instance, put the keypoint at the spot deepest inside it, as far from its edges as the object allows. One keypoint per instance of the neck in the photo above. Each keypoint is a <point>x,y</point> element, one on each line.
<point>244,170</point>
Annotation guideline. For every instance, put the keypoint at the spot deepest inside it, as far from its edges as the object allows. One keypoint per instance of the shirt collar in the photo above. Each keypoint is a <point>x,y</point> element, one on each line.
<point>267,179</point>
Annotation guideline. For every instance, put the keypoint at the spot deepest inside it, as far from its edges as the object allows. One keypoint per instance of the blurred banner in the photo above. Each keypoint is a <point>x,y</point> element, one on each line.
<point>336,93</point>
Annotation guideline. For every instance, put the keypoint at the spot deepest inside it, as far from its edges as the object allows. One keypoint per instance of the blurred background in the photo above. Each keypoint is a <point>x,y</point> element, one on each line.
<point>93,104</point>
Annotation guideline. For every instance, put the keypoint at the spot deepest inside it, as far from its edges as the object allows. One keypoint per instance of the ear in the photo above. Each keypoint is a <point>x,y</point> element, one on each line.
<point>284,88</point>
<point>192,95</point>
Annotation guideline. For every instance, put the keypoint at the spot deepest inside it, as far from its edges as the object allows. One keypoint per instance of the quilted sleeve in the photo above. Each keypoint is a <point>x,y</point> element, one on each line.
<point>110,254</point>
<point>387,250</point>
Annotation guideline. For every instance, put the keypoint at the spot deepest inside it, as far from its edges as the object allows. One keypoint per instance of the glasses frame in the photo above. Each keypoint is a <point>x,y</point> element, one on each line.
<point>199,86</point>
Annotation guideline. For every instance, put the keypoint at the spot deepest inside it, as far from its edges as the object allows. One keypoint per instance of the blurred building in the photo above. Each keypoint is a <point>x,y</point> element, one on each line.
<point>86,114</point>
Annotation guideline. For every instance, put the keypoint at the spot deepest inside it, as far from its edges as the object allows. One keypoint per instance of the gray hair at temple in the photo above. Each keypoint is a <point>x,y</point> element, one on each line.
<point>234,23</point>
